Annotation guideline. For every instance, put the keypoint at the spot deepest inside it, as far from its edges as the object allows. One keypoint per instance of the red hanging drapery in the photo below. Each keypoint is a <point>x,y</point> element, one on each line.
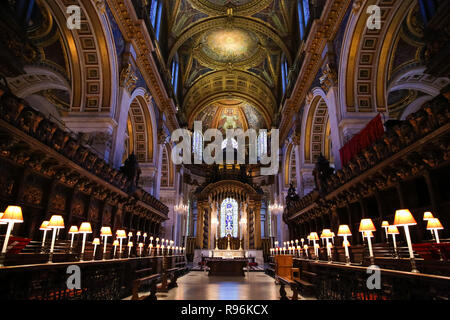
<point>367,136</point>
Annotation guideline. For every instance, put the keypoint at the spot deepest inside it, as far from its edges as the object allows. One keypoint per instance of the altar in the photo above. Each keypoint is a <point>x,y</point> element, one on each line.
<point>228,254</point>
<point>226,267</point>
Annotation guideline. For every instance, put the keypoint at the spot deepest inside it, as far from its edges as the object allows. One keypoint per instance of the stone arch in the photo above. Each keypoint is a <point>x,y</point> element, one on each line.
<point>167,168</point>
<point>317,125</point>
<point>364,64</point>
<point>290,166</point>
<point>142,121</point>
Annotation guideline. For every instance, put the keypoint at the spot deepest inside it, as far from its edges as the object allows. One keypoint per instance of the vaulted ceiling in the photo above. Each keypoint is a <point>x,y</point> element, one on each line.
<point>229,52</point>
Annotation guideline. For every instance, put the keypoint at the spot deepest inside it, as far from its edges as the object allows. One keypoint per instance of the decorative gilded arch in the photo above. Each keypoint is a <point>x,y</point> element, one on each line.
<point>317,131</point>
<point>89,53</point>
<point>140,129</point>
<point>365,64</point>
<point>246,9</point>
<point>167,168</point>
<point>222,84</point>
<point>234,21</point>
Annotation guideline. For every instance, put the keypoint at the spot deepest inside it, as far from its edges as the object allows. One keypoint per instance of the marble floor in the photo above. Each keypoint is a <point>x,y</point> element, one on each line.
<point>197,285</point>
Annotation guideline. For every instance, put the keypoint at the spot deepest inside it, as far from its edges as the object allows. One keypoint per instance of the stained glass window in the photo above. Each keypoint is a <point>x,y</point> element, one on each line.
<point>229,218</point>
<point>303,16</point>
<point>197,145</point>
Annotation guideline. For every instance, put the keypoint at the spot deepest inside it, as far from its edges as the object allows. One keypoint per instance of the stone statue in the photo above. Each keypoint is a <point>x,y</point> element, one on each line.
<point>291,196</point>
<point>322,173</point>
<point>132,171</point>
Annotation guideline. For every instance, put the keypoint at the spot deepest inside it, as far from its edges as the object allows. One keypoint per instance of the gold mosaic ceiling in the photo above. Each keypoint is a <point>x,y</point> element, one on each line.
<point>230,50</point>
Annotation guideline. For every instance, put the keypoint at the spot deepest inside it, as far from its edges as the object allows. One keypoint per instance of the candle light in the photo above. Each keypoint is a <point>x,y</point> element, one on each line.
<point>138,234</point>
<point>162,249</point>
<point>306,250</point>
<point>315,237</point>
<point>157,249</point>
<point>150,247</point>
<point>130,234</point>
<point>145,236</point>
<point>302,240</point>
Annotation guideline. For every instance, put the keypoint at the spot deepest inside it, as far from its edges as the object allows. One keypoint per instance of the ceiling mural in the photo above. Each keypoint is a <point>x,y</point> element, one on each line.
<point>230,49</point>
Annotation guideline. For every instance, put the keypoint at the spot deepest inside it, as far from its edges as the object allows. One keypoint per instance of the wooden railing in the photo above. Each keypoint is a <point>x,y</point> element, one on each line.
<point>334,281</point>
<point>100,280</point>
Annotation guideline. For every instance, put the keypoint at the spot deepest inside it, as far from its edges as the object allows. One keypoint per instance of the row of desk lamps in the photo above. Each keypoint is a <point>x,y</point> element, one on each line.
<point>403,218</point>
<point>13,214</point>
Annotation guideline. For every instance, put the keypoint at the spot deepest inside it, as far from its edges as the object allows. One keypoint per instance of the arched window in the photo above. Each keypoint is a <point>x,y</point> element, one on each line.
<point>197,145</point>
<point>303,16</point>
<point>155,16</point>
<point>229,218</point>
<point>175,68</point>
<point>284,74</point>
<point>262,143</point>
<point>234,143</point>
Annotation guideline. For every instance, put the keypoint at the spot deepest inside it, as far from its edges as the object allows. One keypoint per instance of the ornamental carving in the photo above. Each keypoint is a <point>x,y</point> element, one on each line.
<point>128,79</point>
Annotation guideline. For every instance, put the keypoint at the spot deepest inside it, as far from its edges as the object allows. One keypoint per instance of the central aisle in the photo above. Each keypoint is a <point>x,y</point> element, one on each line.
<point>196,285</point>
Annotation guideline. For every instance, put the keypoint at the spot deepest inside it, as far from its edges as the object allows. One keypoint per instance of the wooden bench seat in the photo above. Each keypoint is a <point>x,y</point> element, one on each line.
<point>284,281</point>
<point>172,275</point>
<point>149,281</point>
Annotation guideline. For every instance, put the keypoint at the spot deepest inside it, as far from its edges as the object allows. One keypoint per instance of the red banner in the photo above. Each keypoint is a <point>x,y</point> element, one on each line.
<point>367,136</point>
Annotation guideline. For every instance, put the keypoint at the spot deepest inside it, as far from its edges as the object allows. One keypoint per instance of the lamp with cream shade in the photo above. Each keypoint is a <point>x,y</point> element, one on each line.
<point>95,242</point>
<point>326,234</point>
<point>115,244</point>
<point>404,218</point>
<point>130,234</point>
<point>138,234</point>
<point>313,236</point>
<point>344,231</point>
<point>434,225</point>
<point>144,236</point>
<point>1,215</point>
<point>392,230</point>
<point>120,234</point>
<point>427,215</point>
<point>130,245</point>
<point>44,227</point>
<point>56,222</point>
<point>385,226</point>
<point>140,245</point>
<point>105,232</point>
<point>12,214</point>
<point>85,228</point>
<point>366,226</point>
<point>150,248</point>
<point>72,231</point>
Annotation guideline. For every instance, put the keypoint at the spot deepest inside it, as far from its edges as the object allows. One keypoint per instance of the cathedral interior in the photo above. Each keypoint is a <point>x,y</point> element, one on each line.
<point>349,101</point>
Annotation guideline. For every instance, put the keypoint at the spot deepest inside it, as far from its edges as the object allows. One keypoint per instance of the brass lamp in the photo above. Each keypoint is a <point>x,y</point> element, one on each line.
<point>85,228</point>
<point>404,218</point>
<point>12,214</point>
<point>56,222</point>
<point>435,225</point>
<point>105,232</point>
<point>367,226</point>
<point>344,231</point>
